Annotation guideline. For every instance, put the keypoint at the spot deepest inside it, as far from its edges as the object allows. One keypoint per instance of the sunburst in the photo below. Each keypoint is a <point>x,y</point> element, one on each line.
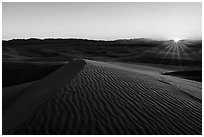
<point>176,40</point>
<point>176,49</point>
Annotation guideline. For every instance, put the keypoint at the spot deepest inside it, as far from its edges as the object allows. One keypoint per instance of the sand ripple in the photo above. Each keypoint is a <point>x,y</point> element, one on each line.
<point>102,100</point>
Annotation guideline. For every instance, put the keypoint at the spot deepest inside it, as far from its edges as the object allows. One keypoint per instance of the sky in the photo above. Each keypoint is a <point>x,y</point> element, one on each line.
<point>104,21</point>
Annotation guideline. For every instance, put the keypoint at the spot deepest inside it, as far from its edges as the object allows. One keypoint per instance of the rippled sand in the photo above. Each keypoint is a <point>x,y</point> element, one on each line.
<point>106,100</point>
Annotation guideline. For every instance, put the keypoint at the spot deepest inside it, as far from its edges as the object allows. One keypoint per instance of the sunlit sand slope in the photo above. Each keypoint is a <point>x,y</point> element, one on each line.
<point>106,100</point>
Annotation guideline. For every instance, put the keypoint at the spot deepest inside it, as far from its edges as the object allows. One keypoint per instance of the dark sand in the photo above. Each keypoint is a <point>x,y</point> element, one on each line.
<point>19,72</point>
<point>191,74</point>
<point>102,99</point>
<point>11,93</point>
<point>19,69</point>
<point>34,95</point>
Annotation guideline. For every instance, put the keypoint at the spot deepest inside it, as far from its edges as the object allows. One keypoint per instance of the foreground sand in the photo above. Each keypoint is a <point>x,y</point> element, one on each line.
<point>34,94</point>
<point>106,99</point>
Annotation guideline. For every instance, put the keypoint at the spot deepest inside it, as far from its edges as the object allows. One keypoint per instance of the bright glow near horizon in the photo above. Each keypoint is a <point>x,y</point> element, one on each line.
<point>176,39</point>
<point>102,20</point>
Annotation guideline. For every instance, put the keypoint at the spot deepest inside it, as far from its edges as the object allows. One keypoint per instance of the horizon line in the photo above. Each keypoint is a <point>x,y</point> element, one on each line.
<point>97,39</point>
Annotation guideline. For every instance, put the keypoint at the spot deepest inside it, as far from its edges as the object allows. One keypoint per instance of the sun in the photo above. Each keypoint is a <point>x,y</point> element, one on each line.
<point>176,40</point>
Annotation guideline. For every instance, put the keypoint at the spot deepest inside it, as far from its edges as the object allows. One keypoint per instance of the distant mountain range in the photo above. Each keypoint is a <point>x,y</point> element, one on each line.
<point>72,41</point>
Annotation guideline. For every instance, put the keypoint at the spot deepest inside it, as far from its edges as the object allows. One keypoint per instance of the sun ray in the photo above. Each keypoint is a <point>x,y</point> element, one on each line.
<point>173,49</point>
<point>178,52</point>
<point>185,46</point>
<point>185,50</point>
<point>167,53</point>
<point>181,47</point>
<point>166,46</point>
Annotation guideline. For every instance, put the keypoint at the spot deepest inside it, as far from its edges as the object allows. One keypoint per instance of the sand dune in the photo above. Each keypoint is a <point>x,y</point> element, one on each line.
<point>38,93</point>
<point>9,94</point>
<point>193,88</point>
<point>107,99</point>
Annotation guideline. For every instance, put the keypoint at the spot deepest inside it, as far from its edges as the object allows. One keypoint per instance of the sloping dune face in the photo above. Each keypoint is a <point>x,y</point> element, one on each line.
<point>103,100</point>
